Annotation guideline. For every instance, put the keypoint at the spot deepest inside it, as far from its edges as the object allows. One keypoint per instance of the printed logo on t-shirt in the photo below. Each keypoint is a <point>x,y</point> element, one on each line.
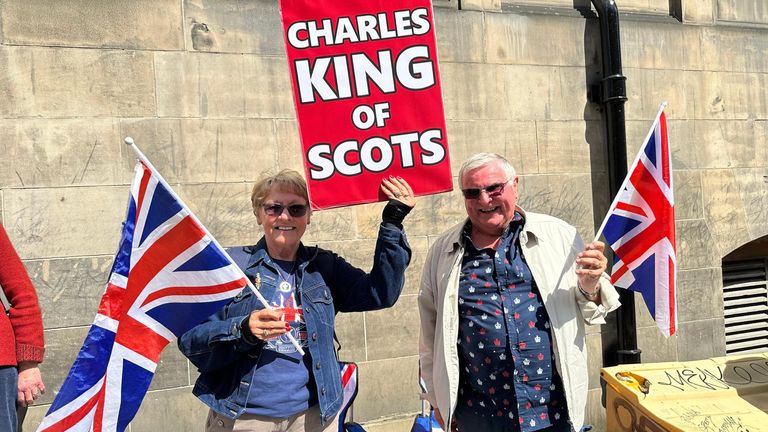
<point>285,300</point>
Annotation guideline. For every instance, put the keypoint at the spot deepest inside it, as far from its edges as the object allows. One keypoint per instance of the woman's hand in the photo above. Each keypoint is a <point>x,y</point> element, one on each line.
<point>30,383</point>
<point>267,324</point>
<point>397,188</point>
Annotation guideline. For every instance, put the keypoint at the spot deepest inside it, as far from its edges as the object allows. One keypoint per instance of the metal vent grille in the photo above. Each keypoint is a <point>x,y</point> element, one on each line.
<point>745,298</point>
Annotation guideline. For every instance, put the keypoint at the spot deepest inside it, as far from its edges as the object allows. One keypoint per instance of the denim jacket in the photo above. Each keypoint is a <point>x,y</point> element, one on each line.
<point>327,284</point>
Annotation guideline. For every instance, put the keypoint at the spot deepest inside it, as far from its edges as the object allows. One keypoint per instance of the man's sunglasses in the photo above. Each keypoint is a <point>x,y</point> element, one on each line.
<point>492,190</point>
<point>295,210</point>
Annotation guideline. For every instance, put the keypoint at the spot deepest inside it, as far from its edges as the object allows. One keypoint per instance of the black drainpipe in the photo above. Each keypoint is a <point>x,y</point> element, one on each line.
<point>611,94</point>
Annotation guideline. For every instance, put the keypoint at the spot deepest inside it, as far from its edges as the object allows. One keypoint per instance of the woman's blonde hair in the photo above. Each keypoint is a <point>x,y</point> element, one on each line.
<point>286,180</point>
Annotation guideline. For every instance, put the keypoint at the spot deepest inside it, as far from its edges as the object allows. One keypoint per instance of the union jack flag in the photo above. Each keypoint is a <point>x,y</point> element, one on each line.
<point>169,274</point>
<point>640,228</point>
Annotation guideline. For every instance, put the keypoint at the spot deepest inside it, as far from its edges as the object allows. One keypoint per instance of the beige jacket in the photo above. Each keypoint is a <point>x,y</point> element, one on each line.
<point>550,247</point>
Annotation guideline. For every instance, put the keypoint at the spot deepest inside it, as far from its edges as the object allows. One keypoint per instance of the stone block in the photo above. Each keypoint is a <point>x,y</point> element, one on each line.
<point>61,348</point>
<point>732,49</point>
<point>172,370</point>
<point>350,329</point>
<point>647,88</point>
<point>387,388</point>
<point>643,316</point>
<point>594,359</point>
<point>753,189</point>
<point>200,85</point>
<point>474,91</point>
<point>700,294</point>
<point>729,95</point>
<point>460,35</point>
<point>517,141</point>
<point>567,197</point>
<point>647,6</point>
<point>142,24</point>
<point>196,150</point>
<point>268,92</point>
<point>688,196</point>
<point>170,410</point>
<point>59,152</point>
<point>69,289</point>
<point>699,340</point>
<point>696,245</point>
<point>516,39</point>
<point>247,157</point>
<point>655,346</point>
<point>332,225</point>
<point>743,11</point>
<point>431,215</point>
<point>595,413</point>
<point>569,147</point>
<point>438,213</point>
<point>398,424</point>
<point>35,415</point>
<point>549,3</point>
<point>233,26</point>
<point>393,332</point>
<point>289,150</point>
<point>481,5</point>
<point>724,211</point>
<point>419,249</point>
<point>62,222</point>
<point>359,253</point>
<point>515,92</point>
<point>646,45</point>
<point>66,82</point>
<point>546,93</point>
<point>731,144</point>
<point>224,209</point>
<point>684,145</point>
<point>699,11</point>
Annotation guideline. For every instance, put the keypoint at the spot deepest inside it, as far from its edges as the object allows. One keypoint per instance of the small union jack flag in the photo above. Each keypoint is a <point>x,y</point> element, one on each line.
<point>640,228</point>
<point>169,274</point>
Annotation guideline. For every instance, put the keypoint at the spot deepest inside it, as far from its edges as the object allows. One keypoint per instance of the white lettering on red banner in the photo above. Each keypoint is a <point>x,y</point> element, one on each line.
<point>367,93</point>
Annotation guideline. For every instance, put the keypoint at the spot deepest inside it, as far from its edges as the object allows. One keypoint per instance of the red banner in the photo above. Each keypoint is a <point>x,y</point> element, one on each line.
<point>367,93</point>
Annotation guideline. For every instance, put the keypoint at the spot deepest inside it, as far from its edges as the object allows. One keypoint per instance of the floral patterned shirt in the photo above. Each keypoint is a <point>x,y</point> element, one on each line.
<point>505,345</point>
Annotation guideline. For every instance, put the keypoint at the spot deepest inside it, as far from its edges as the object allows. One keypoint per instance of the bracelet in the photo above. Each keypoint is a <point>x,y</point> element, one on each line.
<point>589,295</point>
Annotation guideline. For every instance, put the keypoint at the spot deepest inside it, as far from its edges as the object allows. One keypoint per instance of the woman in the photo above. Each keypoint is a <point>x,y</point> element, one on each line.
<point>21,338</point>
<point>252,377</point>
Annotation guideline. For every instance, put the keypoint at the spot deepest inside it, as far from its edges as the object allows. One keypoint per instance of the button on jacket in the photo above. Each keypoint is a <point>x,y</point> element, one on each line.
<point>550,247</point>
<point>327,284</point>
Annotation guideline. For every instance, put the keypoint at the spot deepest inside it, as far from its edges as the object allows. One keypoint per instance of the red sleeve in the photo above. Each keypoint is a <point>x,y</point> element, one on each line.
<point>25,315</point>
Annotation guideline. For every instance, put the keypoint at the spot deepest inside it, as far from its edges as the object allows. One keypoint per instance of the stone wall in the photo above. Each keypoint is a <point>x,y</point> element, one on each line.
<point>202,86</point>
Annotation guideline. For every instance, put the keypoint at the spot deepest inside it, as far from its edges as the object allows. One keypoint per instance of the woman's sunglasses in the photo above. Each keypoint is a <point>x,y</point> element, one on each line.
<point>492,190</point>
<point>295,210</point>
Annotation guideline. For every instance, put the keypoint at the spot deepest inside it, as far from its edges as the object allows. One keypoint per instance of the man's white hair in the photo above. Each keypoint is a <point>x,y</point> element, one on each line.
<point>482,159</point>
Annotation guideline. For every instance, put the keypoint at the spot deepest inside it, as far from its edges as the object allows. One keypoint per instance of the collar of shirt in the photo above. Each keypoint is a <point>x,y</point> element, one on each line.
<point>517,221</point>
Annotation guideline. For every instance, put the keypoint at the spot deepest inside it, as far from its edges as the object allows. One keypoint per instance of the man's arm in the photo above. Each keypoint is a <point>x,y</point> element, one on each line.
<point>594,293</point>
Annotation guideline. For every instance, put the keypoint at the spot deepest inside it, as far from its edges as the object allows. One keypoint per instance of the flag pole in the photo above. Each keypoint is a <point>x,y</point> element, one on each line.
<point>631,169</point>
<point>262,300</point>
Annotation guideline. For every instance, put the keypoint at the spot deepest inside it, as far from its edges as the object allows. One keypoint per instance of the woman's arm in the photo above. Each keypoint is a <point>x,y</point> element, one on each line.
<point>218,342</point>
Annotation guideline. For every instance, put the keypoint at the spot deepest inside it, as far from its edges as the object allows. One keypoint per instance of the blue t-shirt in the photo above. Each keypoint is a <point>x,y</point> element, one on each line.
<point>282,384</point>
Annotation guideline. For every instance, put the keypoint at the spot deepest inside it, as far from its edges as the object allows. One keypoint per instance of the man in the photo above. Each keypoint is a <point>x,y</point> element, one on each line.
<point>503,301</point>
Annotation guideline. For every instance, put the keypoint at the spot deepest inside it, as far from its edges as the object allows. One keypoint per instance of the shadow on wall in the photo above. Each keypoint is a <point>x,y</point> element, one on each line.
<point>595,138</point>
